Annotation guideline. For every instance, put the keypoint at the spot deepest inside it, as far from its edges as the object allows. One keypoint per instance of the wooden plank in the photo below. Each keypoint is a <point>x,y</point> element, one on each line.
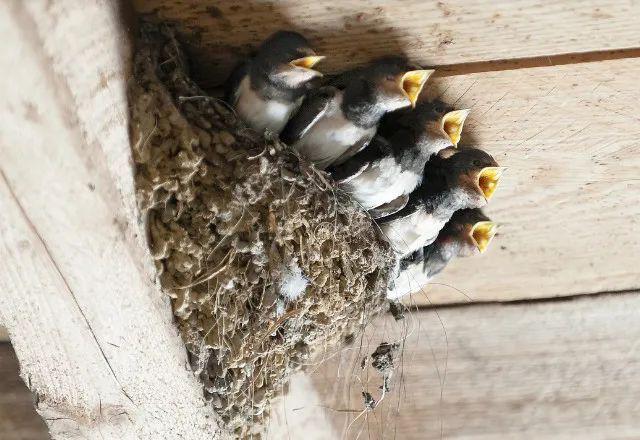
<point>567,205</point>
<point>430,32</point>
<point>564,132</point>
<point>93,334</point>
<point>287,421</point>
<point>546,370</point>
<point>18,418</point>
<point>55,333</point>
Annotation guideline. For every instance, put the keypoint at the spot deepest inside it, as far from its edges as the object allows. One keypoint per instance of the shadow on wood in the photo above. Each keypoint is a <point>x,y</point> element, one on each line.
<point>18,418</point>
<point>233,30</point>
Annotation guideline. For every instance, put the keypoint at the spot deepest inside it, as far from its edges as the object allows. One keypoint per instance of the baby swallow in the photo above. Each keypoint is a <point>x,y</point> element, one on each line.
<point>468,233</point>
<point>453,179</point>
<point>383,175</point>
<point>336,122</point>
<point>268,88</point>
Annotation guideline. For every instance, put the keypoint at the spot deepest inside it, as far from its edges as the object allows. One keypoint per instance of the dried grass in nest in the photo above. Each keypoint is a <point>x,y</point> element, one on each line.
<point>229,213</point>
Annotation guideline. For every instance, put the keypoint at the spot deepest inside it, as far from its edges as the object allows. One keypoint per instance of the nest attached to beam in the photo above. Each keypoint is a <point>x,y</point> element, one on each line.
<point>265,260</point>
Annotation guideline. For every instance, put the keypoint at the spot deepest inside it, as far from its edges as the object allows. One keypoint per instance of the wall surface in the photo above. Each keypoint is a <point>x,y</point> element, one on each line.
<point>92,332</point>
<point>549,370</point>
<point>552,87</point>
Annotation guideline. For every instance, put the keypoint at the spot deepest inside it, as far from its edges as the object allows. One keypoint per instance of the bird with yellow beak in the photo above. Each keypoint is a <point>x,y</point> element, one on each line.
<point>454,179</point>
<point>268,88</point>
<point>381,177</point>
<point>336,122</point>
<point>468,233</point>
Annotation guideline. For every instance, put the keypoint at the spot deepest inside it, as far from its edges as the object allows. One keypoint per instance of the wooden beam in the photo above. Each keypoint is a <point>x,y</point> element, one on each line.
<point>550,370</point>
<point>430,32</point>
<point>565,132</point>
<point>514,371</point>
<point>567,205</point>
<point>93,334</point>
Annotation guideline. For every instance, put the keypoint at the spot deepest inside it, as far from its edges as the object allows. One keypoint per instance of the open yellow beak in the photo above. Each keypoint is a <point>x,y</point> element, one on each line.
<point>307,62</point>
<point>482,233</point>
<point>452,123</point>
<point>412,82</point>
<point>488,180</point>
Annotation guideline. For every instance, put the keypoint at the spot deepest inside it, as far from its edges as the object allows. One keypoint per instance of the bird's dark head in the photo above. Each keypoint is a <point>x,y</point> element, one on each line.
<point>287,59</point>
<point>439,125</point>
<point>397,84</point>
<point>471,170</point>
<point>449,121</point>
<point>469,231</point>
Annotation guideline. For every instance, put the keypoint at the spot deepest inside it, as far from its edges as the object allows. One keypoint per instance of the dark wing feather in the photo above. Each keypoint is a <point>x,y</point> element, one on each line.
<point>354,166</point>
<point>434,259</point>
<point>349,170</point>
<point>353,150</point>
<point>412,205</point>
<point>415,258</point>
<point>311,110</point>
<point>390,208</point>
<point>233,82</point>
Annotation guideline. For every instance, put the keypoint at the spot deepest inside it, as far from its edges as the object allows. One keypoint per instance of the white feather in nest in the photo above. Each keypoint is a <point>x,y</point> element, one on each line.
<point>291,286</point>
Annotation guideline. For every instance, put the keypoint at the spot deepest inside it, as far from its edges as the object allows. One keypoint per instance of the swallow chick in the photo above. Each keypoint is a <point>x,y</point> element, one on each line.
<point>383,175</point>
<point>268,88</point>
<point>334,123</point>
<point>454,179</point>
<point>468,233</point>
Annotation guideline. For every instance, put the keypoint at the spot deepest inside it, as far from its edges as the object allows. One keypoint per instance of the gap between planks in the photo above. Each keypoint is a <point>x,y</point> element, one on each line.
<point>521,301</point>
<point>430,33</point>
<point>461,69</point>
<point>447,70</point>
<point>4,337</point>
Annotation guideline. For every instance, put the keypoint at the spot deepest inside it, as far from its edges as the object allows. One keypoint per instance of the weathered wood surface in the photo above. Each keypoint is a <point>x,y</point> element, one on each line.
<point>18,417</point>
<point>92,332</point>
<point>567,205</point>
<point>554,370</point>
<point>565,132</point>
<point>431,32</point>
<point>558,370</point>
<point>287,421</point>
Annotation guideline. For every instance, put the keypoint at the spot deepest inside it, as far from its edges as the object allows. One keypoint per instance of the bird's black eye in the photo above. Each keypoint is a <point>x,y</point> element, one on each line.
<point>477,163</point>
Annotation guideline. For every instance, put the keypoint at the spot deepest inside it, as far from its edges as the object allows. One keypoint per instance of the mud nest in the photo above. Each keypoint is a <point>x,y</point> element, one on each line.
<point>264,259</point>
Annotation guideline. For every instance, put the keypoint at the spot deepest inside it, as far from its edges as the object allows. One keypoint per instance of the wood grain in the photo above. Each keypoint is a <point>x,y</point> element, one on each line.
<point>430,32</point>
<point>513,371</point>
<point>87,321</point>
<point>18,417</point>
<point>554,370</point>
<point>568,204</point>
<point>93,335</point>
